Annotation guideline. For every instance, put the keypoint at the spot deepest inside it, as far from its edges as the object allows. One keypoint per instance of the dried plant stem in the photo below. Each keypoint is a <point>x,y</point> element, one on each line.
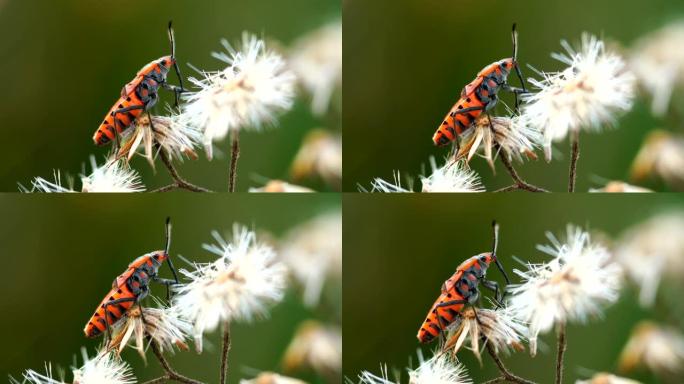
<point>171,373</point>
<point>573,161</point>
<point>179,183</point>
<point>497,380</point>
<point>234,156</point>
<point>507,375</point>
<point>224,353</point>
<point>510,188</point>
<point>562,345</point>
<point>522,184</point>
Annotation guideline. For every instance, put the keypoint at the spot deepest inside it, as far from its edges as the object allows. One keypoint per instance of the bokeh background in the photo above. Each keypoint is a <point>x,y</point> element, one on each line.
<point>406,62</point>
<point>61,253</point>
<point>399,250</point>
<point>64,64</point>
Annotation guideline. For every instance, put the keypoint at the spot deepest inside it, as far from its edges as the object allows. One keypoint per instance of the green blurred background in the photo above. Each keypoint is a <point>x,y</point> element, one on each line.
<point>406,62</point>
<point>64,63</point>
<point>61,253</point>
<point>398,250</point>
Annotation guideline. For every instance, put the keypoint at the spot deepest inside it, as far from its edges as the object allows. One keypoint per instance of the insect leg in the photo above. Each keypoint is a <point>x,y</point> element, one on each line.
<point>494,286</point>
<point>106,311</point>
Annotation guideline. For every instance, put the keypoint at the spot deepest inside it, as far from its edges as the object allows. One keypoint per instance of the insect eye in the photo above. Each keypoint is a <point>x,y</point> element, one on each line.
<point>163,62</point>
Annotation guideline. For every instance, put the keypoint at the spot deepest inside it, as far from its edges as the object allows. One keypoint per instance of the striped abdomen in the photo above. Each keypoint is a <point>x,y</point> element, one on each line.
<point>106,132</point>
<point>96,325</point>
<point>431,327</point>
<point>455,123</point>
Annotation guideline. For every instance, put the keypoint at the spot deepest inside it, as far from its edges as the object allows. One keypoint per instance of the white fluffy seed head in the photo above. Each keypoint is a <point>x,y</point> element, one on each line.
<point>383,186</point>
<point>105,368</point>
<point>616,186</point>
<point>248,93</point>
<point>606,378</point>
<point>176,136</point>
<point>113,176</point>
<point>271,378</point>
<point>42,185</point>
<point>279,186</point>
<point>652,250</point>
<point>516,137</point>
<point>163,325</point>
<point>575,284</point>
<point>440,369</point>
<point>500,328</point>
<point>238,286</point>
<point>451,177</point>
<point>587,94</point>
<point>321,155</point>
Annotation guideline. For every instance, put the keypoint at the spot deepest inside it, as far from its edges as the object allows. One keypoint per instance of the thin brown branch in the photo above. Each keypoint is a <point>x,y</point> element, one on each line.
<point>562,345</point>
<point>573,161</point>
<point>171,374</point>
<point>497,380</point>
<point>507,375</point>
<point>510,188</point>
<point>224,353</point>
<point>179,181</point>
<point>522,184</point>
<point>166,188</point>
<point>234,156</point>
<point>162,379</point>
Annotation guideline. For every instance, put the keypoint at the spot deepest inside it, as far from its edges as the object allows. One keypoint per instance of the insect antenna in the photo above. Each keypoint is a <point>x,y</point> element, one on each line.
<point>168,246</point>
<point>172,41</point>
<point>514,37</point>
<point>495,227</point>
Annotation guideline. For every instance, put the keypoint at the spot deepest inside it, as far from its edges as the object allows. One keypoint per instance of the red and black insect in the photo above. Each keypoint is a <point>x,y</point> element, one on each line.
<point>140,95</point>
<point>131,287</point>
<point>461,289</point>
<point>480,96</point>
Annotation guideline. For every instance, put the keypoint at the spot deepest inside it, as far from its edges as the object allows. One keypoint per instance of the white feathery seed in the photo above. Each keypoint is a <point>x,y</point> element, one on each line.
<point>451,177</point>
<point>587,94</point>
<point>576,283</point>
<point>112,176</point>
<point>247,94</point>
<point>238,286</point>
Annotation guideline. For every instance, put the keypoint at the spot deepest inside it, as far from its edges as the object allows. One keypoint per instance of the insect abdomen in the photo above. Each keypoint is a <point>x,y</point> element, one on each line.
<point>106,131</point>
<point>96,325</point>
<point>455,122</point>
<point>431,327</point>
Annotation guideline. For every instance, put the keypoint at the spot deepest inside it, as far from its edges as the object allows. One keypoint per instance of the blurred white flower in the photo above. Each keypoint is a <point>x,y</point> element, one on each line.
<point>657,60</point>
<point>607,378</point>
<point>238,286</point>
<point>651,249</point>
<point>105,368</point>
<point>316,58</point>
<point>313,253</point>
<point>163,325</point>
<point>516,136</point>
<point>661,154</point>
<point>112,176</point>
<point>575,284</point>
<point>499,327</point>
<point>440,369</point>
<point>451,177</point>
<point>279,186</point>
<point>620,187</point>
<point>586,95</point>
<point>246,94</point>
<point>271,378</point>
<point>173,133</point>
<point>320,154</point>
<point>658,348</point>
<point>315,346</point>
